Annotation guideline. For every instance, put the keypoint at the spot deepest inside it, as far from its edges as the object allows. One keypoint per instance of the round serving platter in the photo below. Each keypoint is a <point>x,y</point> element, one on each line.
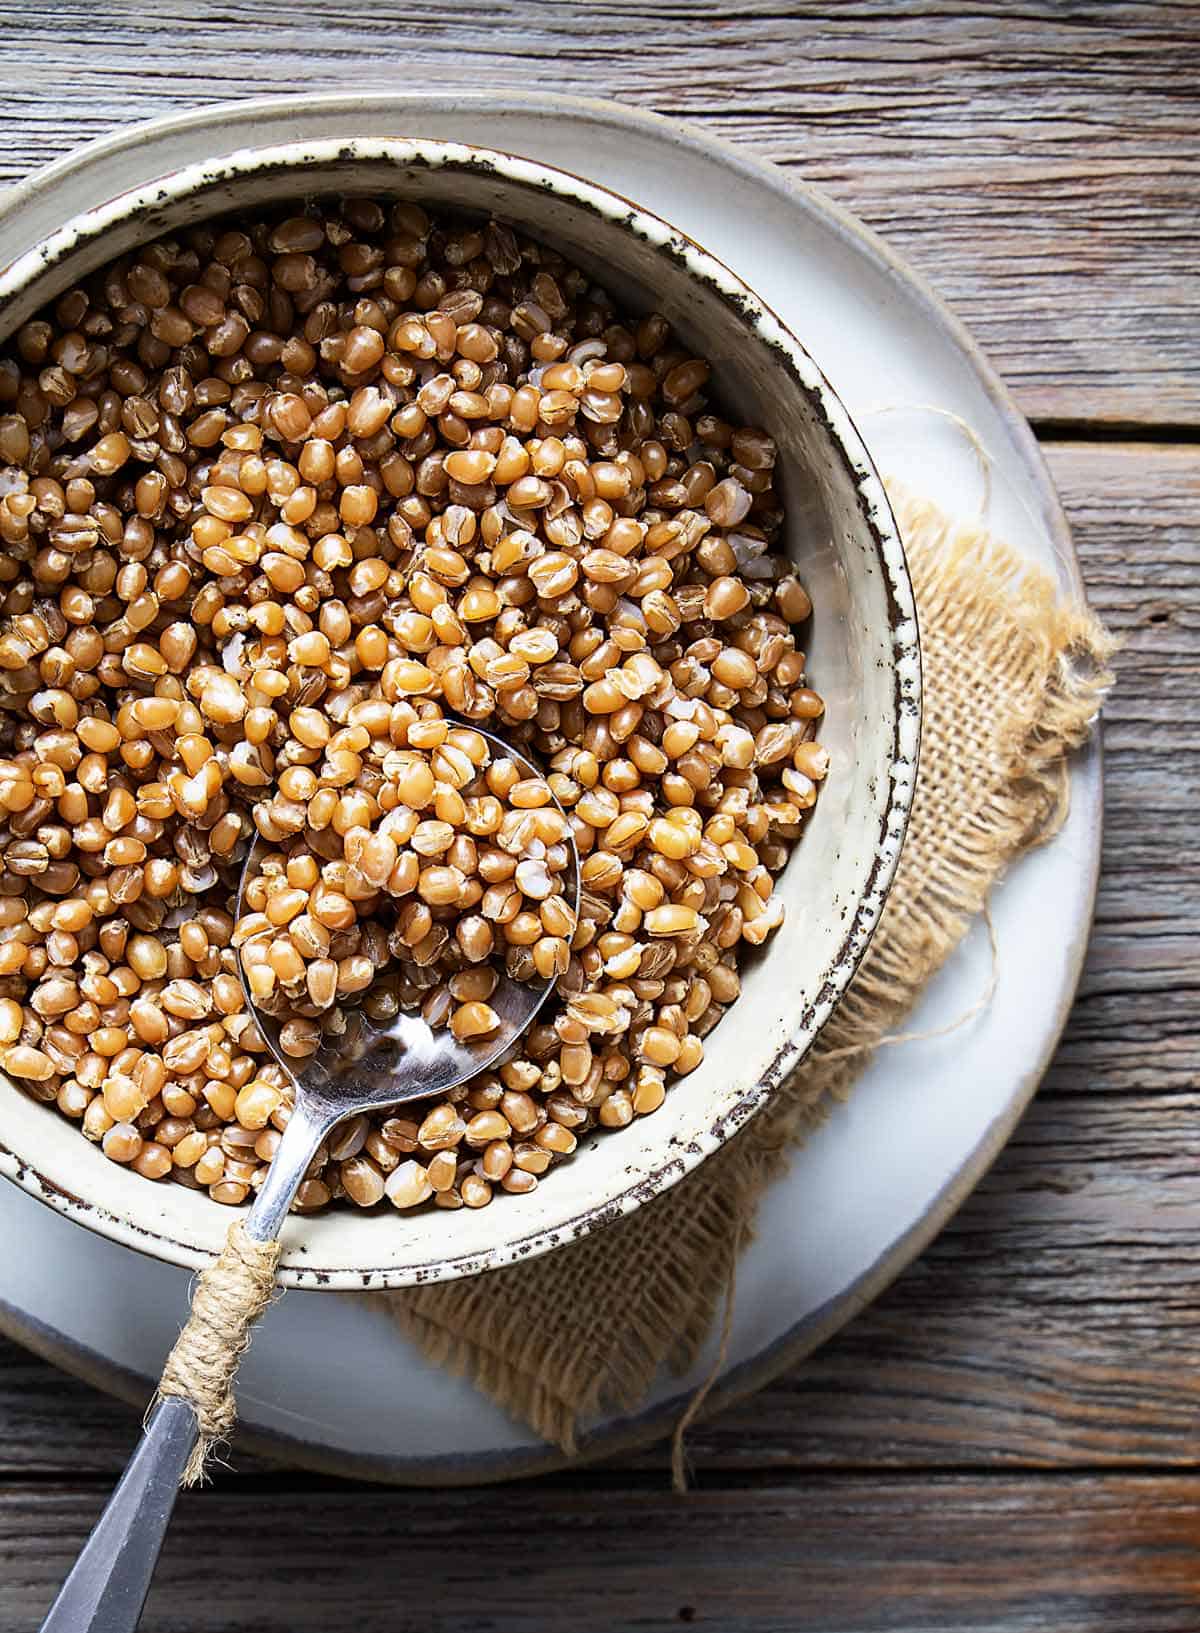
<point>888,1169</point>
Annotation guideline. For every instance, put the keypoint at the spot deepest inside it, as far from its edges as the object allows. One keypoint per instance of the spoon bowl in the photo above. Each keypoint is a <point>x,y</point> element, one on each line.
<point>371,1065</point>
<point>377,1066</point>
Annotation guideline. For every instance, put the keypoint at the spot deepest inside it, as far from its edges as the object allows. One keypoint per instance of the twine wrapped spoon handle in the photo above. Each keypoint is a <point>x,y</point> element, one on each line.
<point>374,1068</point>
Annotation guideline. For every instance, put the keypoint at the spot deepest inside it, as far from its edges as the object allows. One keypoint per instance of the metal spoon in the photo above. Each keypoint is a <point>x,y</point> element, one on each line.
<point>369,1068</point>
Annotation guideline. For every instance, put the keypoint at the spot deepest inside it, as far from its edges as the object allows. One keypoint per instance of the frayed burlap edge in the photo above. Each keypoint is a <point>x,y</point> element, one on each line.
<point>585,1329</point>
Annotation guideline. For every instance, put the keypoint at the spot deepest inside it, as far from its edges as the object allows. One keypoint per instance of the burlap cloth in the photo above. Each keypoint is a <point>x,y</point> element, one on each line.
<point>1013,680</point>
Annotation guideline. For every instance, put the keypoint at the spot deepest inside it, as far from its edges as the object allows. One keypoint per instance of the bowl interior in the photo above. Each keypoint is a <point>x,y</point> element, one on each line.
<point>863,657</point>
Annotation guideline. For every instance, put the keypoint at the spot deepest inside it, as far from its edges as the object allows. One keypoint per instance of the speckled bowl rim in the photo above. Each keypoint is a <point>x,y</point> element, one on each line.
<point>898,773</point>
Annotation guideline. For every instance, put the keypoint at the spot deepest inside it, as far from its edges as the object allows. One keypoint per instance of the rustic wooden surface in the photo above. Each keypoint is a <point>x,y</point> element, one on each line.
<point>1009,1440</point>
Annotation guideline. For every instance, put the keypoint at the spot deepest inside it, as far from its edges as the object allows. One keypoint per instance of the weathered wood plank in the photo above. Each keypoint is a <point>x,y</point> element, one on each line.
<point>850,1555</point>
<point>1040,167</point>
<point>1134,511</point>
<point>1134,1028</point>
<point>52,1422</point>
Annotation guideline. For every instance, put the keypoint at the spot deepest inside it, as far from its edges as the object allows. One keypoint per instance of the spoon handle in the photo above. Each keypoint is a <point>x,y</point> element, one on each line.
<point>307,1127</point>
<point>109,1581</point>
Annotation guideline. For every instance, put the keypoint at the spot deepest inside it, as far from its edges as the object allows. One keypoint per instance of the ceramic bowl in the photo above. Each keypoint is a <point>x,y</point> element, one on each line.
<point>863,656</point>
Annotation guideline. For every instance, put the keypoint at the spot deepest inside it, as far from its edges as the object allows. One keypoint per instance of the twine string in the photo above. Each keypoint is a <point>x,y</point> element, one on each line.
<point>679,1474</point>
<point>970,436</point>
<point>227,1299</point>
<point>923,1035</point>
<point>679,1477</point>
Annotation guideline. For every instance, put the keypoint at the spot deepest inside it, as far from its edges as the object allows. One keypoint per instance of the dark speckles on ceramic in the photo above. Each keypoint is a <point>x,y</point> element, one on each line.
<point>863,653</point>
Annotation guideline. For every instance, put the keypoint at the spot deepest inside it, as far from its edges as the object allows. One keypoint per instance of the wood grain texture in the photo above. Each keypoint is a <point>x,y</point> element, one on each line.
<point>1008,1441</point>
<point>848,1555</point>
<point>1038,164</point>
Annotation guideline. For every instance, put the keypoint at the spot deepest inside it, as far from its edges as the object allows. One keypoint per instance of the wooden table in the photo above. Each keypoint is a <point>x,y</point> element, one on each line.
<point>1009,1439</point>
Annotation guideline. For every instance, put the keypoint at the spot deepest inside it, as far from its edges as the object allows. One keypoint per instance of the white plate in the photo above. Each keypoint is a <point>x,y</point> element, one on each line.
<point>888,1169</point>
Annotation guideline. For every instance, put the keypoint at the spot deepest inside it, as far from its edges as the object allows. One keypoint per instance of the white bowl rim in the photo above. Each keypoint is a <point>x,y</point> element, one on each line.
<point>637,1187</point>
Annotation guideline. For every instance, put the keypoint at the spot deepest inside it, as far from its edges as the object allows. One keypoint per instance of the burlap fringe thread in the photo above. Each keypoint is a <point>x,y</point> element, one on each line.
<point>1013,681</point>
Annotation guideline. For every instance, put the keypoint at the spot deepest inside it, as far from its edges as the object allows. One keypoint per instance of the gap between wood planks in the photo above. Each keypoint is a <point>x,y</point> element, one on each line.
<point>648,1480</point>
<point>1115,430</point>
